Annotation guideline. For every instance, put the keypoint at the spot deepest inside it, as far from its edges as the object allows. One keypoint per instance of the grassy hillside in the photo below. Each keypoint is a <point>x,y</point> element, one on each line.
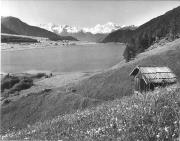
<point>154,116</point>
<point>167,25</point>
<point>14,25</point>
<point>117,83</point>
<point>39,107</point>
<point>105,86</point>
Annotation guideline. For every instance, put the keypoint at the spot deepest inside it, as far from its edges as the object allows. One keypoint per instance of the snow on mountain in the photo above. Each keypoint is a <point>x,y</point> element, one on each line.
<point>104,29</point>
<point>60,28</point>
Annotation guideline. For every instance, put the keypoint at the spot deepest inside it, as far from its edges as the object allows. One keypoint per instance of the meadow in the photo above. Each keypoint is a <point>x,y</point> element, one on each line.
<point>150,116</point>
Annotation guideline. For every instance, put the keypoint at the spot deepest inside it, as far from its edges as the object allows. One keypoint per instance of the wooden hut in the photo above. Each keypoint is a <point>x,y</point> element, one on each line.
<point>147,78</point>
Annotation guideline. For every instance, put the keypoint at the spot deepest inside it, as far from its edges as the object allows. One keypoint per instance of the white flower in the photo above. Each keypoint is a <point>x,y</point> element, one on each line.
<point>166,129</point>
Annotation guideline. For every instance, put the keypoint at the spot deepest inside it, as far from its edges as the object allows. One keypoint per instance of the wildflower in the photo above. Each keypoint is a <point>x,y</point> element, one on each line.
<point>158,135</point>
<point>166,129</point>
<point>119,129</point>
<point>136,106</point>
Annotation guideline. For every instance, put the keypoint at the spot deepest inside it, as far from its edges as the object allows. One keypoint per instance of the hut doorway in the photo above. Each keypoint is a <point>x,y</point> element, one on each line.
<point>142,85</point>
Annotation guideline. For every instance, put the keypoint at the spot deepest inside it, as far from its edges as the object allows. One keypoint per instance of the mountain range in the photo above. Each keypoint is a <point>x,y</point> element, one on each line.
<point>101,29</point>
<point>13,25</point>
<point>95,34</point>
<point>164,26</point>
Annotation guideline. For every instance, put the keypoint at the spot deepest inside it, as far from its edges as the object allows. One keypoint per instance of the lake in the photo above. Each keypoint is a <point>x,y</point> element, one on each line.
<point>75,58</point>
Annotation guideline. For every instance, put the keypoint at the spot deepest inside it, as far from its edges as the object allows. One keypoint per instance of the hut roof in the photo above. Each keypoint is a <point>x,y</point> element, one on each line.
<point>155,74</point>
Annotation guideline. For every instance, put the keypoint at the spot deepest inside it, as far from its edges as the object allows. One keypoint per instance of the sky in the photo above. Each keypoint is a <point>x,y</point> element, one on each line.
<point>86,13</point>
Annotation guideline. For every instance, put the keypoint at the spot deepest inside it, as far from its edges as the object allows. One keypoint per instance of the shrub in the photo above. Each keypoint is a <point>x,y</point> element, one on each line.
<point>25,83</point>
<point>39,75</point>
<point>8,82</point>
<point>6,101</point>
<point>5,94</point>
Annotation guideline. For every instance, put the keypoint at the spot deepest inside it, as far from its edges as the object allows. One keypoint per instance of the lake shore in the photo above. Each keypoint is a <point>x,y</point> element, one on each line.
<point>44,44</point>
<point>18,61</point>
<point>66,79</point>
<point>50,81</point>
<point>72,58</point>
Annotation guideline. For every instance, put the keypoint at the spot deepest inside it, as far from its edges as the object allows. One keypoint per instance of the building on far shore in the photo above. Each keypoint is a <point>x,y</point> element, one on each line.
<point>147,78</point>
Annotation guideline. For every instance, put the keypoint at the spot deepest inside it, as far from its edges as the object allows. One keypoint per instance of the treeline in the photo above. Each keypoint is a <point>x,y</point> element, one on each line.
<point>167,25</point>
<point>16,39</point>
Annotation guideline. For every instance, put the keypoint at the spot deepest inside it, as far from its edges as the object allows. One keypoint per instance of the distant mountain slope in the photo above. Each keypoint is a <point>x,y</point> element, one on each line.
<point>6,30</point>
<point>82,36</point>
<point>120,35</point>
<point>167,25</point>
<point>14,25</point>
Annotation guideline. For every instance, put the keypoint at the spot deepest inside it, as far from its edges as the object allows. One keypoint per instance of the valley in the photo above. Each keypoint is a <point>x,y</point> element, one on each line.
<point>62,82</point>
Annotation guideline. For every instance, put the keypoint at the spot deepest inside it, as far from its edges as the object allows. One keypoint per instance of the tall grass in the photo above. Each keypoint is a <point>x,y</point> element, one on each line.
<point>152,116</point>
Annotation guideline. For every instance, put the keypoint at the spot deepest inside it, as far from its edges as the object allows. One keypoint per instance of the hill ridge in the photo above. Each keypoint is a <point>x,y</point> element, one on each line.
<point>166,25</point>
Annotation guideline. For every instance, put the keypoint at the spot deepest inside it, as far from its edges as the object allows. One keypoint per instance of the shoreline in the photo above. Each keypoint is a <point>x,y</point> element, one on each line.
<point>58,80</point>
<point>77,75</point>
<point>44,45</point>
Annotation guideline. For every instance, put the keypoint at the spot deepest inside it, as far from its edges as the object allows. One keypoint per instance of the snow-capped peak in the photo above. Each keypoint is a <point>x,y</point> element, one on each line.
<point>59,28</point>
<point>105,28</point>
<point>99,28</point>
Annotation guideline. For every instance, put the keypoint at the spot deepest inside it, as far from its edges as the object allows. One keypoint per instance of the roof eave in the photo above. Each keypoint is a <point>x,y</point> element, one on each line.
<point>137,67</point>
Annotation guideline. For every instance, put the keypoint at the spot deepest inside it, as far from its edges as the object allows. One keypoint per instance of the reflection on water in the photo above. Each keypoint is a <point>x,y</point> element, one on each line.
<point>63,59</point>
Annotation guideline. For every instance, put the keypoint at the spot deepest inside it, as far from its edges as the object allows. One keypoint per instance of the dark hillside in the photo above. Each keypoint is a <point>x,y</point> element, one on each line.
<point>118,36</point>
<point>6,30</point>
<point>167,25</point>
<point>16,26</point>
<point>86,36</point>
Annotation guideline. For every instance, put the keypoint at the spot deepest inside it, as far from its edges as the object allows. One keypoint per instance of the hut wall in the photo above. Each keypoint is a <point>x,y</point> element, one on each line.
<point>140,84</point>
<point>143,86</point>
<point>137,83</point>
